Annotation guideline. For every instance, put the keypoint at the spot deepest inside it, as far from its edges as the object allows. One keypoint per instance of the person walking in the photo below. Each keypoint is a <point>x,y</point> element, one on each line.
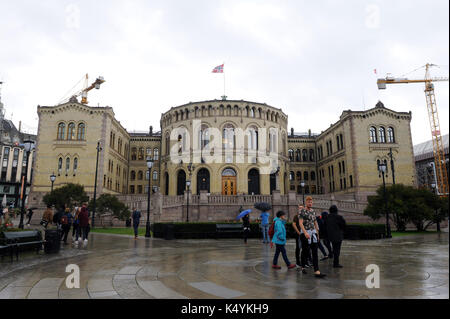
<point>279,239</point>
<point>84,223</point>
<point>264,217</point>
<point>75,223</point>
<point>297,233</point>
<point>309,237</point>
<point>323,235</point>
<point>47,217</point>
<point>29,215</point>
<point>246,224</point>
<point>66,223</point>
<point>335,229</point>
<point>136,220</point>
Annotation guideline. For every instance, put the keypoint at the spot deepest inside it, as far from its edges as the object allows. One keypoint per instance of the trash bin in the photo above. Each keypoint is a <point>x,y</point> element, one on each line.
<point>169,232</point>
<point>52,241</point>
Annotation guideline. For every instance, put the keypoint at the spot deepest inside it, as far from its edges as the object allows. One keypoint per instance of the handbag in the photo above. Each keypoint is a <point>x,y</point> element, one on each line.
<point>44,223</point>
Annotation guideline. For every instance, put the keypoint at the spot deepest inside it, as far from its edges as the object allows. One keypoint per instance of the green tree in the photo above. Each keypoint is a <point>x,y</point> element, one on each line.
<point>407,204</point>
<point>106,205</point>
<point>69,195</point>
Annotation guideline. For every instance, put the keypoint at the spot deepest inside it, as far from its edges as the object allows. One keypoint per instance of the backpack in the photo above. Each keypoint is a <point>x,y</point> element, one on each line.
<point>64,220</point>
<point>271,230</point>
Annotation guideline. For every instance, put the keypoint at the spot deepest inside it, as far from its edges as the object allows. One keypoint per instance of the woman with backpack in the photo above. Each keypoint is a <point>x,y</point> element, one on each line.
<point>66,223</point>
<point>279,239</point>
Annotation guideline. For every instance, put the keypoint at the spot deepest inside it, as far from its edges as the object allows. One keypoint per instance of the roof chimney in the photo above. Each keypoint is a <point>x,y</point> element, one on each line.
<point>292,131</point>
<point>20,126</point>
<point>309,132</point>
<point>151,130</point>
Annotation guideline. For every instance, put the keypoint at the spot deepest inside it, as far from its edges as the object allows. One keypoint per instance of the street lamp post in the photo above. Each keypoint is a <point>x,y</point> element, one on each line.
<point>438,224</point>
<point>302,184</point>
<point>147,227</point>
<point>382,167</point>
<point>95,184</point>
<point>28,145</point>
<point>52,179</point>
<point>188,184</point>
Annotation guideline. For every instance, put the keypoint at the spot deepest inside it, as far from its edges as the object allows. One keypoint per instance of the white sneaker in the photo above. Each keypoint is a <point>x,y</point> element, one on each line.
<point>85,241</point>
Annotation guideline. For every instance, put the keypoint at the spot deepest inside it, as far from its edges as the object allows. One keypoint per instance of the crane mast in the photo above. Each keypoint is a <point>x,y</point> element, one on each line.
<point>438,145</point>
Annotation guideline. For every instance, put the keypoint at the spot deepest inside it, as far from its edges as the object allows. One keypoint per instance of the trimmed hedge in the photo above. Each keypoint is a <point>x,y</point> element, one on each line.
<point>208,230</point>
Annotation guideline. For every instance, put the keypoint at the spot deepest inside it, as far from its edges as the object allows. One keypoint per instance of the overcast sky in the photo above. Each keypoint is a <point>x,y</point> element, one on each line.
<point>313,59</point>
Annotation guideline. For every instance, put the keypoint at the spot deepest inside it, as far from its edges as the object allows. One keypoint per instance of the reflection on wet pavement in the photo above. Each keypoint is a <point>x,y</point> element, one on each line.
<point>121,267</point>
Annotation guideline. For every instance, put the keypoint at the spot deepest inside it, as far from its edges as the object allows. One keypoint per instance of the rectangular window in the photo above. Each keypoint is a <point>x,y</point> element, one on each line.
<point>132,189</point>
<point>351,181</point>
<point>345,183</point>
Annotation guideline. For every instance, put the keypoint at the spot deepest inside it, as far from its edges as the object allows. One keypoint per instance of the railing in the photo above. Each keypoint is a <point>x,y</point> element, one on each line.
<point>256,199</point>
<point>173,200</point>
<point>221,199</point>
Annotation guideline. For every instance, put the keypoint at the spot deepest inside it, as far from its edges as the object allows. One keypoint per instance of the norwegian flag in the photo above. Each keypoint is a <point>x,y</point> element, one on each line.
<point>218,69</point>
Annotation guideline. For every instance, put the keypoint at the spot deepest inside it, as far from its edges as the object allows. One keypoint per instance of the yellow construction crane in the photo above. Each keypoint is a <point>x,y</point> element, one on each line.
<point>438,147</point>
<point>86,88</point>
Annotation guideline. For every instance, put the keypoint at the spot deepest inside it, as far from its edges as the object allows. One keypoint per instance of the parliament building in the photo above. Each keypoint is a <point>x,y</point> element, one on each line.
<point>221,147</point>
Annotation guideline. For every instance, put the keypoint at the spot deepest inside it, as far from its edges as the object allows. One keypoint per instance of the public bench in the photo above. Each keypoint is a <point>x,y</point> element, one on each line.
<point>18,241</point>
<point>228,229</point>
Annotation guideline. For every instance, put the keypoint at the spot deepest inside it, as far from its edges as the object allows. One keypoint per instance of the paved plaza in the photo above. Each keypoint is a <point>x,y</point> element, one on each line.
<point>116,266</point>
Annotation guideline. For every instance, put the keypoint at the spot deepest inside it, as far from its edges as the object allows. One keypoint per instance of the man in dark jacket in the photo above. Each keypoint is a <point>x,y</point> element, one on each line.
<point>84,223</point>
<point>136,220</point>
<point>335,231</point>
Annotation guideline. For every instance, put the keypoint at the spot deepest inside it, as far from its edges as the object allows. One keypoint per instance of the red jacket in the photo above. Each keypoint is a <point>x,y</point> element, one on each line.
<point>84,217</point>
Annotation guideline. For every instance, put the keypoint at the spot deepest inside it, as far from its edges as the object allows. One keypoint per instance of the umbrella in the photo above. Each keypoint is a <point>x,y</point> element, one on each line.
<point>242,214</point>
<point>263,206</point>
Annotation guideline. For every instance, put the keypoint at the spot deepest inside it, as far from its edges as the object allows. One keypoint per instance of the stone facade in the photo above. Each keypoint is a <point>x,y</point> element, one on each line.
<point>235,148</point>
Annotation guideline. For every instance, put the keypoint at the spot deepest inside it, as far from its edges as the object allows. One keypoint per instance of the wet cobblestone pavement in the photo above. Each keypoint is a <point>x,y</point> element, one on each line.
<point>114,266</point>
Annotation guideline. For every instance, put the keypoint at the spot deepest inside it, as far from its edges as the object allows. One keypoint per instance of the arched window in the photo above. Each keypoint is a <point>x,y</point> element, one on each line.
<point>298,156</point>
<point>342,141</point>
<point>71,131</point>
<point>291,155</point>
<point>305,176</point>
<point>273,145</point>
<point>291,176</point>
<point>75,165</point>
<point>373,134</point>
<point>61,131</point>
<point>236,110</point>
<point>141,154</point>
<point>167,144</point>
<point>155,154</point>
<point>133,175</point>
<point>299,175</point>
<point>148,152</point>
<point>252,112</point>
<point>311,155</point>
<point>133,153</point>
<point>203,137</point>
<point>60,162</point>
<point>313,176</point>
<point>391,136</point>
<point>155,175</point>
<point>382,132</point>
<point>228,136</point>
<point>253,138</point>
<point>221,110</point>
<point>338,143</point>
<point>140,175</point>
<point>67,164</point>
<point>229,110</point>
<point>305,155</point>
<point>81,132</point>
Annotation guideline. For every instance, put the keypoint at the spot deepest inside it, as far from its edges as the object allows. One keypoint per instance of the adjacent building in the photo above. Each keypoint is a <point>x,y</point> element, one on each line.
<point>13,161</point>
<point>424,159</point>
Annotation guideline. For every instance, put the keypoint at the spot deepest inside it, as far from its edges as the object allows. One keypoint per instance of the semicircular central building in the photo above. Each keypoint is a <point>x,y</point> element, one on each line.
<point>223,147</point>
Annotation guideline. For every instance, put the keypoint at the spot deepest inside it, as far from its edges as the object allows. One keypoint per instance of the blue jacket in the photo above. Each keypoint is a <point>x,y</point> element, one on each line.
<point>279,236</point>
